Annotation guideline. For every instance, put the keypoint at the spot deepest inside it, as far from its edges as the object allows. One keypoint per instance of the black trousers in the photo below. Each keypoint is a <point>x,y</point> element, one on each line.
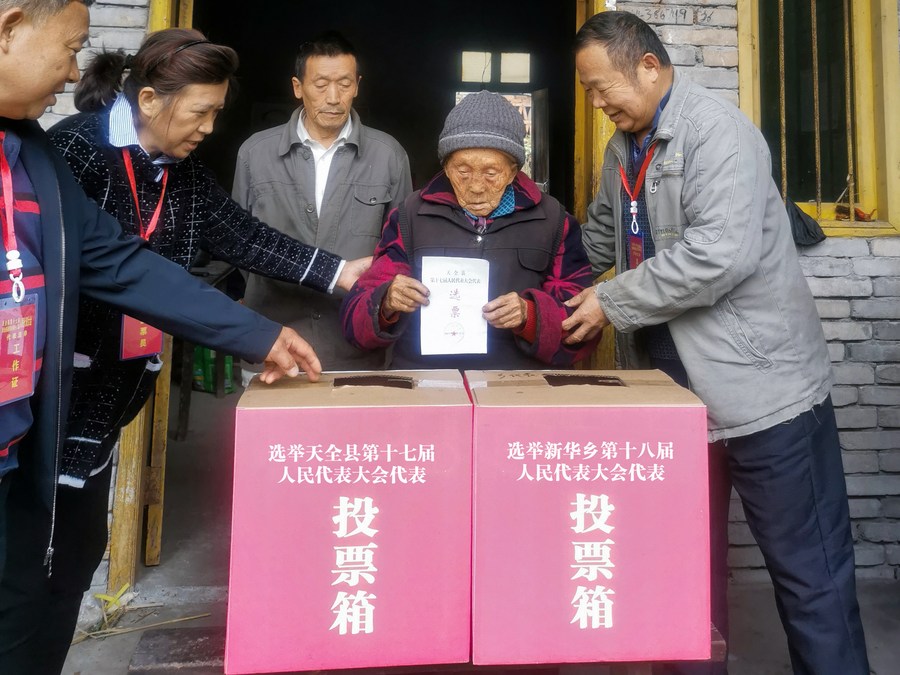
<point>790,479</point>
<point>38,612</point>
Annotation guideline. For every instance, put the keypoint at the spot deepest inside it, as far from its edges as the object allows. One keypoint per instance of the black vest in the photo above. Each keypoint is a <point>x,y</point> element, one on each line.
<point>520,248</point>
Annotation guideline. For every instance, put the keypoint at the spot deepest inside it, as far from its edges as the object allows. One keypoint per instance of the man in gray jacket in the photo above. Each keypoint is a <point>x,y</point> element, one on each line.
<point>326,180</point>
<point>709,289</point>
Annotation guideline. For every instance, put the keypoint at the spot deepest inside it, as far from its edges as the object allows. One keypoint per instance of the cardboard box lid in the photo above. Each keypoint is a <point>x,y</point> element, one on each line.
<point>567,388</point>
<point>360,389</point>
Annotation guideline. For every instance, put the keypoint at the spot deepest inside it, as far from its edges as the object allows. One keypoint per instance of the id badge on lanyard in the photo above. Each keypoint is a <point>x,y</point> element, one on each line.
<point>635,237</point>
<point>19,313</point>
<point>18,347</point>
<point>635,250</point>
<point>139,339</point>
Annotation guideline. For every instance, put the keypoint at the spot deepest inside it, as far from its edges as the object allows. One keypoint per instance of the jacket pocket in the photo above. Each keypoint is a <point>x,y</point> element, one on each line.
<point>534,259</point>
<point>672,166</point>
<point>274,204</point>
<point>666,175</point>
<point>745,339</point>
<point>368,208</point>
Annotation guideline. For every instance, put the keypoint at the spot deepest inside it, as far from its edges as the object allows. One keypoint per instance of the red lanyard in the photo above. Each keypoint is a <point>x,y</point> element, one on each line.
<point>7,215</point>
<point>638,184</point>
<point>129,169</point>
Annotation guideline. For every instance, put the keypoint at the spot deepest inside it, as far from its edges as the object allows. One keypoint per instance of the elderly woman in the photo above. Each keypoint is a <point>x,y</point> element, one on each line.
<point>479,206</point>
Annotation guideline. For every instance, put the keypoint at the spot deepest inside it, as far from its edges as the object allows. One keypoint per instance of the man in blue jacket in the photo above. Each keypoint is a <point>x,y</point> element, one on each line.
<point>57,244</point>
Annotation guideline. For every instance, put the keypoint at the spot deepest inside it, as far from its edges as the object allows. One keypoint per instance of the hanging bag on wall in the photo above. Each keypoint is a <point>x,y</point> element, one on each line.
<point>804,228</point>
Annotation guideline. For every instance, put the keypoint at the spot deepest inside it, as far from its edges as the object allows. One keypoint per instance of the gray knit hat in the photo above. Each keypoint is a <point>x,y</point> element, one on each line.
<point>484,120</point>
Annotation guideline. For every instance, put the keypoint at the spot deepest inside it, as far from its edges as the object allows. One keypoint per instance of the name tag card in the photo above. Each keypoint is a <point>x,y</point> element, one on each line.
<point>139,339</point>
<point>18,345</point>
<point>635,250</point>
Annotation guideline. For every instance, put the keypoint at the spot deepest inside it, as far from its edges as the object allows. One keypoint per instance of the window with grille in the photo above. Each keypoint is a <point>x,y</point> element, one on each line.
<point>806,102</point>
<point>808,69</point>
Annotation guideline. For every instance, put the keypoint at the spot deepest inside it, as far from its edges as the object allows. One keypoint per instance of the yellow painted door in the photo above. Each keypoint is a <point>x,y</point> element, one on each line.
<point>592,130</point>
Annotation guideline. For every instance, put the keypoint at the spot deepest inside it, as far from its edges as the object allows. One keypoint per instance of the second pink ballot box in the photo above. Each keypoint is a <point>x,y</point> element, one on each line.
<point>591,523</point>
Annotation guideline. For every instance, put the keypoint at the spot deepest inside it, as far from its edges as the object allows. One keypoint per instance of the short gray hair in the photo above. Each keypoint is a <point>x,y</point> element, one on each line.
<point>39,10</point>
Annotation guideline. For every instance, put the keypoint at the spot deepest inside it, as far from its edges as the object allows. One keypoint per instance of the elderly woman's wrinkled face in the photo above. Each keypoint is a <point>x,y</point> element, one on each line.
<point>479,177</point>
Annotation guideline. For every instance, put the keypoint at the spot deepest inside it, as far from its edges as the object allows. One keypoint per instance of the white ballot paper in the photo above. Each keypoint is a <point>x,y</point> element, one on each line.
<point>452,321</point>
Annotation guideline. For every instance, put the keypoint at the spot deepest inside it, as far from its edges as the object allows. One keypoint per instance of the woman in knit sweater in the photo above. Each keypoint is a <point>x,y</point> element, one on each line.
<point>131,152</point>
<point>130,148</point>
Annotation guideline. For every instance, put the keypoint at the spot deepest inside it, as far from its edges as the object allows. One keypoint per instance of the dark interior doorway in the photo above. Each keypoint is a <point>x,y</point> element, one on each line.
<point>410,61</point>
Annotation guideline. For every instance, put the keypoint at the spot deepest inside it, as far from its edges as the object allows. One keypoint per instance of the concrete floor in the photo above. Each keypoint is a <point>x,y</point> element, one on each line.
<point>193,576</point>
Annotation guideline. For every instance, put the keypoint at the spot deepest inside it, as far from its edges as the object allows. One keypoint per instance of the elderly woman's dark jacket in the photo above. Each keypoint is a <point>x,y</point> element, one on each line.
<point>535,251</point>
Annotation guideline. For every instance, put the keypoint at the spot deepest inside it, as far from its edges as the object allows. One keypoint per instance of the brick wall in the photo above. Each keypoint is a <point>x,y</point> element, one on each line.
<point>115,24</point>
<point>857,287</point>
<point>700,35</point>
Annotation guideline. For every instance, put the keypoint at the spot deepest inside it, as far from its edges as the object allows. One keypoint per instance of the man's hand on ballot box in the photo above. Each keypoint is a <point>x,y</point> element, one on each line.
<point>587,320</point>
<point>289,355</point>
<point>405,294</point>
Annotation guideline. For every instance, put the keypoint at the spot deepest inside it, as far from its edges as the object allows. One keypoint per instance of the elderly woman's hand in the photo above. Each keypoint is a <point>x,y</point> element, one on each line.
<point>405,294</point>
<point>508,311</point>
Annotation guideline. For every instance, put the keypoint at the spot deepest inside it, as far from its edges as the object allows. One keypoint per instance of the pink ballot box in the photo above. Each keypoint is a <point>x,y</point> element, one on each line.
<point>591,523</point>
<point>351,532</point>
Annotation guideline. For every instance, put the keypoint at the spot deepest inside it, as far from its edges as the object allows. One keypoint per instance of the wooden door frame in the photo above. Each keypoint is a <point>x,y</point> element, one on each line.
<point>168,13</point>
<point>592,131</point>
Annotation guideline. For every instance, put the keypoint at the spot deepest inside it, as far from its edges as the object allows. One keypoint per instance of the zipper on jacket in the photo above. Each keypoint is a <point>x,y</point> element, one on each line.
<point>48,557</point>
<point>617,217</point>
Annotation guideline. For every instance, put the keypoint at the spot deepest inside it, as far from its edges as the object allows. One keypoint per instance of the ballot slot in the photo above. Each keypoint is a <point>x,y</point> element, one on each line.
<point>574,379</point>
<point>394,381</point>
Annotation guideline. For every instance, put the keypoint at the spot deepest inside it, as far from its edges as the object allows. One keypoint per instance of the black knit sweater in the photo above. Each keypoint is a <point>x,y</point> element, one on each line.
<point>108,392</point>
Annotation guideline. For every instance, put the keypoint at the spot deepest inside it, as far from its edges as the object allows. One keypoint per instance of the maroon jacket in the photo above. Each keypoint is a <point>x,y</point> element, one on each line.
<point>537,223</point>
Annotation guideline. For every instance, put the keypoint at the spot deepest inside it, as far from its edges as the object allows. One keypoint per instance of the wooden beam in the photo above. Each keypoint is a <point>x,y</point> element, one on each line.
<point>592,129</point>
<point>604,356</point>
<point>748,59</point>
<point>186,13</point>
<point>864,105</point>
<point>128,504</point>
<point>592,132</point>
<point>163,14</point>
<point>154,485</point>
<point>583,132</point>
<point>887,120</point>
